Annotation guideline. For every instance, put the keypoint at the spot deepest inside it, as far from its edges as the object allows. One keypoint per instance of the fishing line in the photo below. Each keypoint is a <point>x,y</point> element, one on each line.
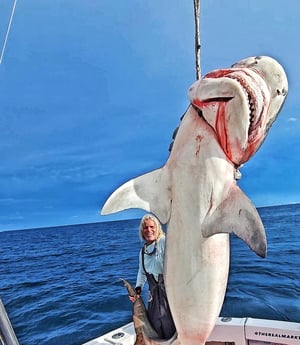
<point>7,31</point>
<point>197,56</point>
<point>197,37</point>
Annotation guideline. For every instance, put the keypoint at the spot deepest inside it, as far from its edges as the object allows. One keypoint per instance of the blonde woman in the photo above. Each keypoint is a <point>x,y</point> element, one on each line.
<point>151,260</point>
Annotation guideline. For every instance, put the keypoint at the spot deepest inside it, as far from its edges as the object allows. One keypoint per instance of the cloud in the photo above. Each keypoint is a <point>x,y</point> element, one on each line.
<point>292,119</point>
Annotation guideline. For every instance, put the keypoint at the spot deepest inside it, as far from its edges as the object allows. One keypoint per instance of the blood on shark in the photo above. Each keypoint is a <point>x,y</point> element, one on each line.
<point>196,194</point>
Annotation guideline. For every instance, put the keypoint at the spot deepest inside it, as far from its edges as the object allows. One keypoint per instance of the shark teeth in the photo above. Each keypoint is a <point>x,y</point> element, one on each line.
<point>251,97</point>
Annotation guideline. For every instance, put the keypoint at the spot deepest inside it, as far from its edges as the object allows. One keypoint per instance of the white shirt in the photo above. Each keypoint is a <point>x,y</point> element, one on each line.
<point>153,263</point>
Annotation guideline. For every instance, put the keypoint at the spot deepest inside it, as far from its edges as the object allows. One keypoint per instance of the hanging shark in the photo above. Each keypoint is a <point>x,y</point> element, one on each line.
<point>196,193</point>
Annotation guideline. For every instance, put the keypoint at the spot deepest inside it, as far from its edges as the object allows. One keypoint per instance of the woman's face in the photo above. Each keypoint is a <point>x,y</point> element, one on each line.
<point>149,231</point>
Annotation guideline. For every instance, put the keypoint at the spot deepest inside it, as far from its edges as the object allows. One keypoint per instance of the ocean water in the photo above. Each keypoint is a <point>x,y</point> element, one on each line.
<point>61,285</point>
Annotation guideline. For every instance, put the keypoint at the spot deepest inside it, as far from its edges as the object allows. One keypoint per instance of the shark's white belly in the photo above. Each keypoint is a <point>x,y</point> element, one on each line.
<point>196,268</point>
<point>196,271</point>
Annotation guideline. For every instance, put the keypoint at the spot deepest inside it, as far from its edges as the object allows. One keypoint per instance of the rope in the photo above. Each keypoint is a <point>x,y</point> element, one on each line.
<point>197,37</point>
<point>7,31</point>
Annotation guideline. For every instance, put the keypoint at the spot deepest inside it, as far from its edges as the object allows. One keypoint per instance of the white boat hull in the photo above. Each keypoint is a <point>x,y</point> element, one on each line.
<point>227,331</point>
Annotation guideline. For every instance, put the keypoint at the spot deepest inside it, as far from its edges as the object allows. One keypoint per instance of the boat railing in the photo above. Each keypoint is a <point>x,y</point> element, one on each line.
<point>7,334</point>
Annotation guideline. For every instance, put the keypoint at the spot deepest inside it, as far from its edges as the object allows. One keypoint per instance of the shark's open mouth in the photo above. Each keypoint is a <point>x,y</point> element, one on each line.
<point>252,86</point>
<point>235,102</point>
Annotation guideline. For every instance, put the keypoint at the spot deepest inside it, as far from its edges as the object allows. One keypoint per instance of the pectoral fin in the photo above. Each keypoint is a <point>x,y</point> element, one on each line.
<point>236,214</point>
<point>150,192</point>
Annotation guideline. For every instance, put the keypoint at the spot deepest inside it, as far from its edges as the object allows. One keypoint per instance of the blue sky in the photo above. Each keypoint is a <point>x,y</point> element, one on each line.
<point>91,91</point>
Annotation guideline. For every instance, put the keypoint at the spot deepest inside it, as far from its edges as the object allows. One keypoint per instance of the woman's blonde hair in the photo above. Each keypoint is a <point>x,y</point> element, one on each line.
<point>159,229</point>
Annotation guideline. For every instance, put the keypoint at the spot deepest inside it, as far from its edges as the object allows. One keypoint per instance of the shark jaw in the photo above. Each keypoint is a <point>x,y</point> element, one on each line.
<point>241,103</point>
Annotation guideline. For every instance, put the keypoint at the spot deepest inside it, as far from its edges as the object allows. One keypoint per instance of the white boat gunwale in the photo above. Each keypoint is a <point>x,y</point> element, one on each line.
<point>227,331</point>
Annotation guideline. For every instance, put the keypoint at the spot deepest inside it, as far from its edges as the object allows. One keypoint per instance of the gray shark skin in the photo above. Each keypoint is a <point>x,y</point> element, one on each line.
<point>195,193</point>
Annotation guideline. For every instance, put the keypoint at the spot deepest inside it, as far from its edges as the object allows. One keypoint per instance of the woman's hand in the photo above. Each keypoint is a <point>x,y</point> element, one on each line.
<point>134,298</point>
<point>138,291</point>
